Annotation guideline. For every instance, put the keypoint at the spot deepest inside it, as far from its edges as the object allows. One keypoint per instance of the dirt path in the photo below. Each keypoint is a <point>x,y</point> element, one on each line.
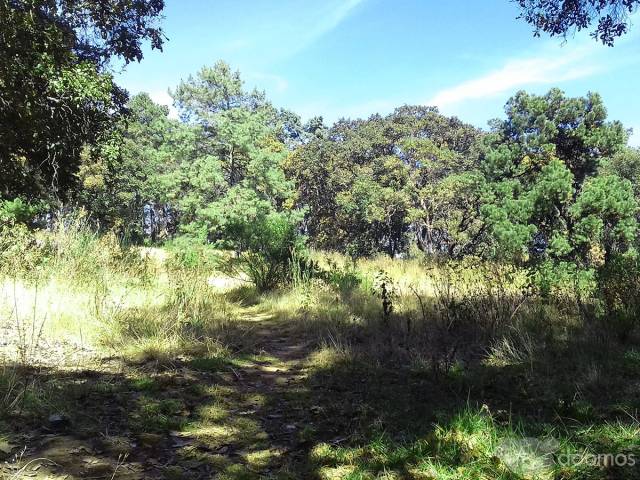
<point>277,378</point>
<point>249,417</point>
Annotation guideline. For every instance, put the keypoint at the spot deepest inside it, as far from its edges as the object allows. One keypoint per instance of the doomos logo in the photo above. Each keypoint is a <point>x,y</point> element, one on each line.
<point>528,456</point>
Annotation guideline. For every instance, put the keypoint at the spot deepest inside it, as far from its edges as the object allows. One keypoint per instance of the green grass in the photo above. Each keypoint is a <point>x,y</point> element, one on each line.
<point>210,364</point>
<point>153,415</point>
<point>462,366</point>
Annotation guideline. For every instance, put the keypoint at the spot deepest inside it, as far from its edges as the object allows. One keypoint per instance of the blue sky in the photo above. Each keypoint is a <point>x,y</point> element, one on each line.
<point>352,58</point>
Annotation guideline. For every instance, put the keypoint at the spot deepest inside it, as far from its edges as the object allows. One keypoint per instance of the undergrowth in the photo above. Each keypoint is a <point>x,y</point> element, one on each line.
<point>416,368</point>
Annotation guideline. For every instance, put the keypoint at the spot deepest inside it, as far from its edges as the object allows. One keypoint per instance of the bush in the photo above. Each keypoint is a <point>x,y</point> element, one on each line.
<point>16,211</point>
<point>345,279</point>
<point>20,253</point>
<point>265,249</point>
<point>190,254</point>
<point>619,294</point>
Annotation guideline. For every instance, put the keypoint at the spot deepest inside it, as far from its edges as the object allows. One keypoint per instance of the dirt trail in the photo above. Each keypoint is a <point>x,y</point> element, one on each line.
<point>247,418</point>
<point>278,375</point>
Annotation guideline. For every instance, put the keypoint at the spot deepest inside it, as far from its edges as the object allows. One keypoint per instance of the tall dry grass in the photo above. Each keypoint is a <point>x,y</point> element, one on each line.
<point>420,312</point>
<point>75,286</point>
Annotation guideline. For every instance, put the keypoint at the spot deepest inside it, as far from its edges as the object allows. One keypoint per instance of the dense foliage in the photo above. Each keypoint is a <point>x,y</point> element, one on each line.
<point>377,184</point>
<point>547,202</point>
<point>552,187</point>
<point>219,170</point>
<point>56,95</point>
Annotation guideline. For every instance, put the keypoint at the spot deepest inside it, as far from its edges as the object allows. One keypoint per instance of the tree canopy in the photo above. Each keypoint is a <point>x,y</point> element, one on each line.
<point>547,203</point>
<point>564,17</point>
<point>371,185</point>
<point>551,187</point>
<point>56,94</point>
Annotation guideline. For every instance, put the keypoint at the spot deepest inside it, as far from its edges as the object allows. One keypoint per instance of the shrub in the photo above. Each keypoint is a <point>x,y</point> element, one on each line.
<point>619,295</point>
<point>16,211</point>
<point>190,254</point>
<point>265,249</point>
<point>303,269</point>
<point>345,279</point>
<point>20,252</point>
<point>475,296</point>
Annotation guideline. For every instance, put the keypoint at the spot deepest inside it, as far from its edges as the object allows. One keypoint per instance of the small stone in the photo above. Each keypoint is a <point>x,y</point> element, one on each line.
<point>58,421</point>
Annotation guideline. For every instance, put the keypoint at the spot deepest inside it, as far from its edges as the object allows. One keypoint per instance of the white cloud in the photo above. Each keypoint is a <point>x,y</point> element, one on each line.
<point>162,97</point>
<point>569,63</point>
<point>276,31</point>
<point>547,68</point>
<point>320,24</point>
<point>335,17</point>
<point>280,84</point>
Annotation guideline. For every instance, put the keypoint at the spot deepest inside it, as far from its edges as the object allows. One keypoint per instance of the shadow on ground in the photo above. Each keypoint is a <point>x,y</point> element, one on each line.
<point>278,412</point>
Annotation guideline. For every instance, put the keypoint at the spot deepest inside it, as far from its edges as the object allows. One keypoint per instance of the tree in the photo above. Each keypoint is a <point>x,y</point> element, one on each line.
<point>545,205</point>
<point>442,155</point>
<point>624,164</point>
<point>214,90</point>
<point>234,193</point>
<point>446,215</point>
<point>563,17</point>
<point>233,119</point>
<point>241,147</point>
<point>220,162</point>
<point>55,91</point>
<point>354,187</point>
<point>135,165</point>
<point>369,185</point>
